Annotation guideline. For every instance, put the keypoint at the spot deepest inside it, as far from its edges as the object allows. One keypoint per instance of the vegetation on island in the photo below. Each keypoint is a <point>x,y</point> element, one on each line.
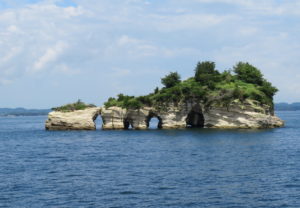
<point>79,105</point>
<point>209,85</point>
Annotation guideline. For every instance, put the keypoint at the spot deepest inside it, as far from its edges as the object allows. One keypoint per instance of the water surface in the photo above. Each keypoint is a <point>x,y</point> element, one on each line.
<point>153,168</point>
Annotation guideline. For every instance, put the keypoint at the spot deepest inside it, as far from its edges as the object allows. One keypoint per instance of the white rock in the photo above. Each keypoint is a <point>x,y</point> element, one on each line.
<point>249,114</point>
<point>75,120</point>
<point>113,117</point>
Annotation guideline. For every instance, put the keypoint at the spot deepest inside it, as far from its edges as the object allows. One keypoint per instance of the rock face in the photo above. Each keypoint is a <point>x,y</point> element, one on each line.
<point>237,115</point>
<point>249,114</point>
<point>119,118</point>
<point>113,118</point>
<point>76,120</point>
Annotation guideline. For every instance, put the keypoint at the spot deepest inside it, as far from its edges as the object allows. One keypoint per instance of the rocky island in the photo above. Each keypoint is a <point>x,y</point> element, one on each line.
<point>237,98</point>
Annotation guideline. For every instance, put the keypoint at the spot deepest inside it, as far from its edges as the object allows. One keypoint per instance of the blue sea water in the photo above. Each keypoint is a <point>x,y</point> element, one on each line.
<point>153,168</point>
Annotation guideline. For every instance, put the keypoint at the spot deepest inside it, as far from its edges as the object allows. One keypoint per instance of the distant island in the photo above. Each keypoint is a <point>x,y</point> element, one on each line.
<point>23,112</point>
<point>287,106</point>
<point>237,98</point>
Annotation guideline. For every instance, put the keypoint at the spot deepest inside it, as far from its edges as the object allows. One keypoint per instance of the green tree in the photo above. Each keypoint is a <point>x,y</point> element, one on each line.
<point>206,74</point>
<point>248,73</point>
<point>170,80</point>
<point>227,76</point>
<point>268,89</point>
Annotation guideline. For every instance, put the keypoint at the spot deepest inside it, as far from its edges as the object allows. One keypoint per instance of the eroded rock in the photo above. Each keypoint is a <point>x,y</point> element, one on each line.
<point>247,114</point>
<point>75,120</point>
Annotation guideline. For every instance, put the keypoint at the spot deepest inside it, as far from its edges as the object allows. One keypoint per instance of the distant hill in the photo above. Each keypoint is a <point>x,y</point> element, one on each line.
<point>23,112</point>
<point>287,106</point>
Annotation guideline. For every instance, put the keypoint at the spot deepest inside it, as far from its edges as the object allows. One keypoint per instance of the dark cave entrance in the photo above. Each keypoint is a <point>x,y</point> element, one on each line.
<point>195,120</point>
<point>128,124</point>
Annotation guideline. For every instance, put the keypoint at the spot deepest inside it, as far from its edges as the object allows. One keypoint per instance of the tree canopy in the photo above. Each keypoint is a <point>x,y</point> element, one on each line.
<point>206,74</point>
<point>248,73</point>
<point>79,105</point>
<point>170,80</point>
<point>207,85</point>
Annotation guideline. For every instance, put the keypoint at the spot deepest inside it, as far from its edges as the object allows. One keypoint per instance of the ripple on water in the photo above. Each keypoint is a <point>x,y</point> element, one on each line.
<point>186,168</point>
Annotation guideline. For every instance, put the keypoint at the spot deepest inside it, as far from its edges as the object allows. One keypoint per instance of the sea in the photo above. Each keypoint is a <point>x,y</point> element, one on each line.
<point>149,168</point>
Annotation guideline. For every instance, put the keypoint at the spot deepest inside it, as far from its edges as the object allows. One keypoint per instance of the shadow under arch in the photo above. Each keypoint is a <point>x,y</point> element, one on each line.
<point>150,117</point>
<point>195,118</point>
<point>128,123</point>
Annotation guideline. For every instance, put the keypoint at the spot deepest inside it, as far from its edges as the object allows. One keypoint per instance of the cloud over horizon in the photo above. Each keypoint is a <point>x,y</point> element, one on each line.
<point>55,51</point>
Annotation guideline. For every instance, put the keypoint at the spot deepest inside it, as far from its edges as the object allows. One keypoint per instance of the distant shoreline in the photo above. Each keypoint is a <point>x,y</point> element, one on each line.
<point>287,106</point>
<point>7,112</point>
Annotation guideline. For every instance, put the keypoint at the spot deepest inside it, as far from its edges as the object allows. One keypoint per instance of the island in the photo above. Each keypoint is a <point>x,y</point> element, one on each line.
<point>237,98</point>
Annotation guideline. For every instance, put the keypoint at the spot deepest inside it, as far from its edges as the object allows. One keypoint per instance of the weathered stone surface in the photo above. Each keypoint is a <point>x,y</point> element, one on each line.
<point>172,117</point>
<point>249,114</point>
<point>76,120</point>
<point>113,117</point>
<point>138,119</point>
<point>241,115</point>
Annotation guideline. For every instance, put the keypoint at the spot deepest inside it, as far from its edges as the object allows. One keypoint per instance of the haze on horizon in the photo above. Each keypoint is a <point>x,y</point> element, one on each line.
<point>57,51</point>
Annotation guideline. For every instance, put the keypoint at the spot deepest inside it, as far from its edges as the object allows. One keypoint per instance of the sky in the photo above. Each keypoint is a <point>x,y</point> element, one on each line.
<point>54,52</point>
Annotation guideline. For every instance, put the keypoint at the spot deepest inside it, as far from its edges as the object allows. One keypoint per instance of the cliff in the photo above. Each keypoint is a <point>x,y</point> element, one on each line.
<point>248,114</point>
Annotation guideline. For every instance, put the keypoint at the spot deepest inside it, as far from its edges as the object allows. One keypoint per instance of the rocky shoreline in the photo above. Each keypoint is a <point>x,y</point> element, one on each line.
<point>236,115</point>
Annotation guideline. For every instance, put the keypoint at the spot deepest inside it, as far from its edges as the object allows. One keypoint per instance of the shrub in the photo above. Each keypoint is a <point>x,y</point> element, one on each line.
<point>79,105</point>
<point>248,73</point>
<point>111,102</point>
<point>132,103</point>
<point>206,74</point>
<point>268,89</point>
<point>146,100</point>
<point>207,86</point>
<point>172,79</point>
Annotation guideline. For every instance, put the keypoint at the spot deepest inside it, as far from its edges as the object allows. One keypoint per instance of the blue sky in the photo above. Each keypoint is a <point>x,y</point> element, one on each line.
<point>57,51</point>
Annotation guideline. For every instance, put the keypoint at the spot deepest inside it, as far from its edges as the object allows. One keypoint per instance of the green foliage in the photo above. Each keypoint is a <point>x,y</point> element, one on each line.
<point>268,89</point>
<point>192,89</point>
<point>208,85</point>
<point>248,73</point>
<point>79,105</point>
<point>205,67</point>
<point>227,76</point>
<point>172,79</point>
<point>124,101</point>
<point>132,103</point>
<point>206,74</point>
<point>111,102</point>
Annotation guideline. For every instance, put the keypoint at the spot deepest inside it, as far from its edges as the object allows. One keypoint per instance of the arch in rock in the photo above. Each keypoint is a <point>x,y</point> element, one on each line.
<point>128,123</point>
<point>98,121</point>
<point>195,118</point>
<point>153,115</point>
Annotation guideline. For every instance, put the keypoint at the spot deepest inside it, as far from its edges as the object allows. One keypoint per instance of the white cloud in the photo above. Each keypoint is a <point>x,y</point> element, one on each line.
<point>49,56</point>
<point>99,43</point>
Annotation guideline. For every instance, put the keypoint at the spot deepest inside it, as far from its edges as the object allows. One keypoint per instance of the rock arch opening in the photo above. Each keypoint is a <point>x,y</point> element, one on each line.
<point>98,121</point>
<point>128,124</point>
<point>154,122</point>
<point>195,119</point>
